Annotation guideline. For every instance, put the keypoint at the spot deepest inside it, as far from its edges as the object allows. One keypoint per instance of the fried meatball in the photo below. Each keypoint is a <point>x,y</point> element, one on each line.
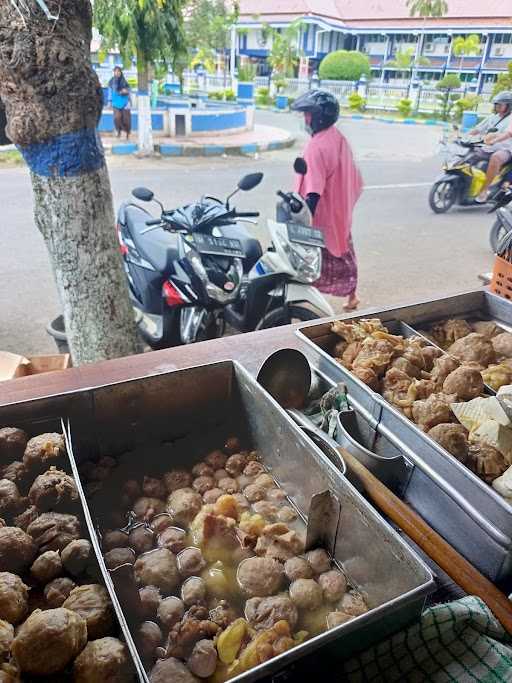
<point>190,562</point>
<point>76,556</point>
<point>105,659</point>
<point>487,328</point>
<point>287,514</point>
<point>254,469</point>
<point>25,518</point>
<point>474,348</point>
<point>141,539</point>
<point>146,508</point>
<point>54,530</point>
<point>193,591</point>
<point>6,638</point>
<point>203,660</point>
<point>432,411</point>
<point>255,493</point>
<point>264,613</point>
<point>148,638</point>
<point>236,464</point>
<point>53,489</point>
<point>13,598</point>
<point>368,377</point>
<point>203,484</point>
<point>220,474</point>
<point>241,502</point>
<point>93,604</point>
<point>114,539</point>
<point>333,584</point>
<point>18,474</point>
<point>17,549</point>
<point>153,488</point>
<point>212,495</point>
<point>171,669</point>
<point>177,479</point>
<point>48,641</point>
<point>297,568</point>
<point>319,561</point>
<point>183,505</point>
<point>229,485</point>
<point>118,556</point>
<point>453,438</point>
<point>170,611</point>
<point>449,331</point>
<point>353,603</point>
<point>216,460</point>
<point>430,354</point>
<point>150,600</point>
<point>276,495</point>
<point>306,593</point>
<point>132,489</point>
<point>465,383</point>
<point>57,591</point>
<point>158,568</point>
<point>173,538</point>
<point>502,345</point>
<point>443,366</point>
<point>10,498</point>
<point>486,462</point>
<point>12,444</point>
<point>202,469</point>
<point>47,567</point>
<point>43,451</point>
<point>161,522</point>
<point>259,576</point>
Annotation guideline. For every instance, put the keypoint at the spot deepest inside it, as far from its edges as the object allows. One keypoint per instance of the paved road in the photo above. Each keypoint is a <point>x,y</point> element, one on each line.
<point>405,252</point>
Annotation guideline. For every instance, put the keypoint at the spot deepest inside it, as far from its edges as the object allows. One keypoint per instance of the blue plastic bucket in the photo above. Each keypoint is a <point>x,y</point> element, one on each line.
<point>282,101</point>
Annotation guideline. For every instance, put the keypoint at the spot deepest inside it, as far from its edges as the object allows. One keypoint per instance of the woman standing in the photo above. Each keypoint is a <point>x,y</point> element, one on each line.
<point>331,189</point>
<point>120,97</point>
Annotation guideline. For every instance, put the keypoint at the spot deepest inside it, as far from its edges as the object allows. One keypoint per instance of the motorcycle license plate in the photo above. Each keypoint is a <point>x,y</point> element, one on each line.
<point>218,246</point>
<point>303,234</point>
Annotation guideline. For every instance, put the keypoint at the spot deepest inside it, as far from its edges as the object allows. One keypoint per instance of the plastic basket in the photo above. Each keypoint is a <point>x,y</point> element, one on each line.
<point>501,283</point>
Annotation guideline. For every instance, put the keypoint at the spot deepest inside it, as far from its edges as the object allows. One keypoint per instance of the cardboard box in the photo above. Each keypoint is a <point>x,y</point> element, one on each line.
<point>13,365</point>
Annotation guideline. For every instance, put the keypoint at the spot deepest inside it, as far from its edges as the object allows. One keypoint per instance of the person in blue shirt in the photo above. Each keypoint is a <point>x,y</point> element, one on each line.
<point>120,98</point>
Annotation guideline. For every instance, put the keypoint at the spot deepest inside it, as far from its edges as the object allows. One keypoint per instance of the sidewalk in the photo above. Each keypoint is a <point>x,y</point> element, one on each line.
<point>261,139</point>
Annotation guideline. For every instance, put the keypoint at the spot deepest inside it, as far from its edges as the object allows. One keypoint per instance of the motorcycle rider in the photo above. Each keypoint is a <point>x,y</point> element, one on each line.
<point>498,150</point>
<point>331,188</point>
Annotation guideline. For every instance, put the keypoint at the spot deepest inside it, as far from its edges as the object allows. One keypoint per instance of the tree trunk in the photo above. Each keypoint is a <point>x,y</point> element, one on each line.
<point>53,102</point>
<point>145,133</point>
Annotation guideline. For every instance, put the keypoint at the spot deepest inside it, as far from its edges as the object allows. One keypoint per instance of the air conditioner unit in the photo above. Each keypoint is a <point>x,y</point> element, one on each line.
<point>499,52</point>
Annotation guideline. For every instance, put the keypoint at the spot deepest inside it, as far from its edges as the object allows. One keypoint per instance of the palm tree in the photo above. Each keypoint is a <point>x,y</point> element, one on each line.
<point>466,47</point>
<point>427,8</point>
<point>405,62</point>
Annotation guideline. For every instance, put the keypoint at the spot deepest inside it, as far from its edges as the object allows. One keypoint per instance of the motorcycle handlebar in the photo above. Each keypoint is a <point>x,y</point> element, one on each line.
<point>247,214</point>
<point>154,221</point>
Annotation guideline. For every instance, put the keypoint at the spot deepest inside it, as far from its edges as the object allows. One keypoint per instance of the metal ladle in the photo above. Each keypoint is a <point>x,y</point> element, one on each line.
<point>286,375</point>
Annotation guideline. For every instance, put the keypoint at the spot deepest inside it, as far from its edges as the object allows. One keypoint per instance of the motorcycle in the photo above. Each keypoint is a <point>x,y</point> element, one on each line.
<point>501,225</point>
<point>464,177</point>
<point>195,268</point>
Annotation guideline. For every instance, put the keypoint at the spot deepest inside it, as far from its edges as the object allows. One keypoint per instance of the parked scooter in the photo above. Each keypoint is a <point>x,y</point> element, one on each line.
<point>195,268</point>
<point>464,177</point>
<point>501,225</point>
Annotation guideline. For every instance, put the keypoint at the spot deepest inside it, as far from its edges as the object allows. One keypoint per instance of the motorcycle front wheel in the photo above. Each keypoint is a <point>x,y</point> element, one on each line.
<point>286,315</point>
<point>442,196</point>
<point>498,231</point>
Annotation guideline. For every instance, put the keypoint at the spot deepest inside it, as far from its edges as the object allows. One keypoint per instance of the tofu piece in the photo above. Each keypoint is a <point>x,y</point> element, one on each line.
<point>503,485</point>
<point>472,414</point>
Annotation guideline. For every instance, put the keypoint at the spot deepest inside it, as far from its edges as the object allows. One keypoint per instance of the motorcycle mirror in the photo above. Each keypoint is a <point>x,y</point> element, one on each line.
<point>143,194</point>
<point>249,182</point>
<point>300,166</point>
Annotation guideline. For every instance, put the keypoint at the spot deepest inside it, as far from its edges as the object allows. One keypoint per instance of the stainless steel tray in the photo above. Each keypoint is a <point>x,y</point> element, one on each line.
<point>463,508</point>
<point>44,420</point>
<point>225,398</point>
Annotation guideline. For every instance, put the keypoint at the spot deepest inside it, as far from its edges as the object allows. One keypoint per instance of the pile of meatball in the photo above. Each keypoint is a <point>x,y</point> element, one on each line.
<point>422,381</point>
<point>56,618</point>
<point>216,554</point>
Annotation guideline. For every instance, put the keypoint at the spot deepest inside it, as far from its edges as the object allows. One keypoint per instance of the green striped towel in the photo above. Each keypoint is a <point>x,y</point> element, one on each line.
<point>458,641</point>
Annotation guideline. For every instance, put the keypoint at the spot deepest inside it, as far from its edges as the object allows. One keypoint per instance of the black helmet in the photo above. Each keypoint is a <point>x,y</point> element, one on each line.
<point>323,106</point>
<point>504,97</point>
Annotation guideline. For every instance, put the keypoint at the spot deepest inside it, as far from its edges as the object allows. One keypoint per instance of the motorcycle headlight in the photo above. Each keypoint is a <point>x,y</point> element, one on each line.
<point>233,281</point>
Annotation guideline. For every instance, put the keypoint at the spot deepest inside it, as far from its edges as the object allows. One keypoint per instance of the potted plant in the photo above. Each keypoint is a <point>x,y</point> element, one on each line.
<point>245,85</point>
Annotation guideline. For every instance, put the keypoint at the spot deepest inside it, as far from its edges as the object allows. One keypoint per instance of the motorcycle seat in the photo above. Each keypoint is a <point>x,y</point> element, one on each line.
<point>251,246</point>
<point>158,246</point>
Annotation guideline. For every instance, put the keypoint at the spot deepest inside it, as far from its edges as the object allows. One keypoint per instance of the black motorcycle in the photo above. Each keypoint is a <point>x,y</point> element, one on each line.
<point>501,225</point>
<point>184,267</point>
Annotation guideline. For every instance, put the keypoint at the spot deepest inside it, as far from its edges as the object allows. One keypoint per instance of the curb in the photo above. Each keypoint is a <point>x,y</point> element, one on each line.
<point>403,122</point>
<point>176,150</point>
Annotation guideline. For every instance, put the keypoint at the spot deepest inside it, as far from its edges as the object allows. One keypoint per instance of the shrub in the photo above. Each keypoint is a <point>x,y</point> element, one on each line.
<point>263,97</point>
<point>504,81</point>
<point>447,98</point>
<point>344,65</point>
<point>468,103</point>
<point>356,102</point>
<point>229,95</point>
<point>405,107</point>
<point>216,95</point>
<point>247,73</point>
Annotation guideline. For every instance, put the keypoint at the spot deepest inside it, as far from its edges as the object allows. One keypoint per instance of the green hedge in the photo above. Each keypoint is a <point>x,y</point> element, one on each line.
<point>344,65</point>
